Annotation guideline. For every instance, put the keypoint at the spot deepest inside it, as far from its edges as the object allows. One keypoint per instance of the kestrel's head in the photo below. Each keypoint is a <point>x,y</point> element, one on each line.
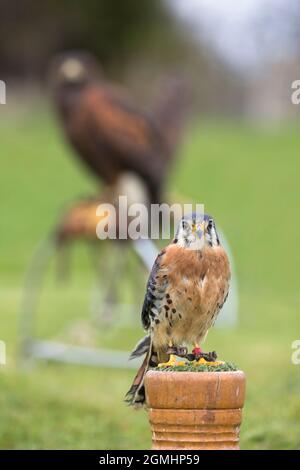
<point>196,231</point>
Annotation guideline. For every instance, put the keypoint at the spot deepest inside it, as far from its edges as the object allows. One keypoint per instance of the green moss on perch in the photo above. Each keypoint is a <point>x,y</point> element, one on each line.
<point>192,367</point>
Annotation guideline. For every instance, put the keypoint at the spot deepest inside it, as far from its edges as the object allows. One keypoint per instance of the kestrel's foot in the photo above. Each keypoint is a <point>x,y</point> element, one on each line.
<point>171,362</point>
<point>197,354</point>
<point>208,359</point>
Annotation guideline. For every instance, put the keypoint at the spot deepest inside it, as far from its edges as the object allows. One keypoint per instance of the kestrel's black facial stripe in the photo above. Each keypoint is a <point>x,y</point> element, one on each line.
<point>185,225</point>
<point>210,224</point>
<point>212,235</point>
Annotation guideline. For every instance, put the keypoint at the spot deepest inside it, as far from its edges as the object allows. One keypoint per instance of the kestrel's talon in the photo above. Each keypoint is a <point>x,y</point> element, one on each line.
<point>190,357</point>
<point>211,356</point>
<point>208,359</point>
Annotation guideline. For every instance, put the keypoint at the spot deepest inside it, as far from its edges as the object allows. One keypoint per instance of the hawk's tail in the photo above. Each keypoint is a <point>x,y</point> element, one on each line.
<point>136,394</point>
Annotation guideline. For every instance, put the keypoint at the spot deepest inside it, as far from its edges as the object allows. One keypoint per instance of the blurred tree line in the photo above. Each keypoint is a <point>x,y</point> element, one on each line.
<point>33,30</point>
<point>135,40</point>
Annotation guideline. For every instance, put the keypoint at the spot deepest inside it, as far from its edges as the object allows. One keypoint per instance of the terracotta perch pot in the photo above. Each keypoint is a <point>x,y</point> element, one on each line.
<point>195,410</point>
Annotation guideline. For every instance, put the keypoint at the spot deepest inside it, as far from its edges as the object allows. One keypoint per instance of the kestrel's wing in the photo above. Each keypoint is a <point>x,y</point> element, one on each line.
<point>156,288</point>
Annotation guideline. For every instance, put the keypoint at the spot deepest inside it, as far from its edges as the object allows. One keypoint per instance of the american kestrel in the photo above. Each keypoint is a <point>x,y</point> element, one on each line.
<point>186,289</point>
<point>109,132</point>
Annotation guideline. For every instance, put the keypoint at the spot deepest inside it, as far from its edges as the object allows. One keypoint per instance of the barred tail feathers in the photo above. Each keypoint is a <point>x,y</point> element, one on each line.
<point>136,394</point>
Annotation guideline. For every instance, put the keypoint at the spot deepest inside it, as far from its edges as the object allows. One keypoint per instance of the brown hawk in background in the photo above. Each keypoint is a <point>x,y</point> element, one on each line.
<point>109,133</point>
<point>187,288</point>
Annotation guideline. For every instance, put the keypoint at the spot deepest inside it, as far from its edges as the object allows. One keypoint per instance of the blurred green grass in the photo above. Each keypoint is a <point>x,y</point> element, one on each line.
<point>249,180</point>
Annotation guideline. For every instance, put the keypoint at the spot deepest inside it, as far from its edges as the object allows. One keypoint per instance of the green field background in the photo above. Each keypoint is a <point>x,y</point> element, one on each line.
<point>248,179</point>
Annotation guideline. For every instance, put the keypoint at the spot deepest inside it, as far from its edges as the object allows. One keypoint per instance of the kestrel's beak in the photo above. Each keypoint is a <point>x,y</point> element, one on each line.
<point>199,229</point>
